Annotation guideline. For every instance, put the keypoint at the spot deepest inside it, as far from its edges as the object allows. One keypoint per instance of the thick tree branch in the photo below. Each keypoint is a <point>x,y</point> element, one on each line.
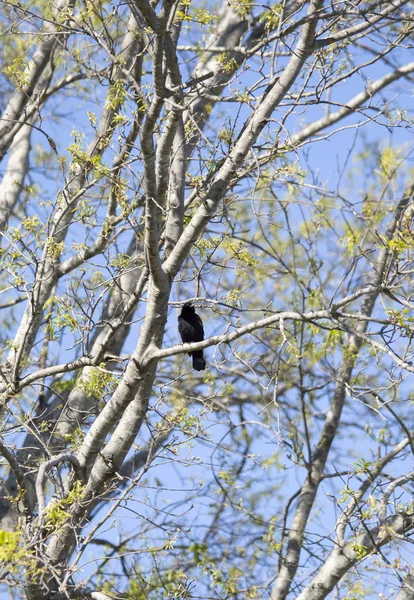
<point>346,556</point>
<point>33,76</point>
<point>254,126</point>
<point>366,23</point>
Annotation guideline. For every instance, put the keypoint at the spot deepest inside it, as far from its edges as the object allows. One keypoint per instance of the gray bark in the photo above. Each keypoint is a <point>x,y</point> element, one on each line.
<point>13,179</point>
<point>33,87</point>
<point>407,589</point>
<point>344,557</point>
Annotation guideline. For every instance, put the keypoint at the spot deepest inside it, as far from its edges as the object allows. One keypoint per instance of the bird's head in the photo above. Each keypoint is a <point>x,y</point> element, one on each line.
<point>188,309</point>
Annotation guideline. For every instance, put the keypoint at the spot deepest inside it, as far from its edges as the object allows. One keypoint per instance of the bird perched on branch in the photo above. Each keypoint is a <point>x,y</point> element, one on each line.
<point>191,329</point>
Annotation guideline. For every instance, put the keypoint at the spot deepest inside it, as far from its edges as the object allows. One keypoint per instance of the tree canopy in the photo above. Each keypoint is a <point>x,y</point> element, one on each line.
<point>256,161</point>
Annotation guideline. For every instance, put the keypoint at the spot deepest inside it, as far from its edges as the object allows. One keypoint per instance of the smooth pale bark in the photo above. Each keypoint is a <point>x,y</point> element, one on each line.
<point>78,405</point>
<point>344,557</point>
<point>352,105</point>
<point>407,589</point>
<point>48,273</point>
<point>16,169</point>
<point>34,77</point>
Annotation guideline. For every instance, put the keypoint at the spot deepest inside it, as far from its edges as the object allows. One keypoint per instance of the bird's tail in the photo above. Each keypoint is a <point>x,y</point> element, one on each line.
<point>199,364</point>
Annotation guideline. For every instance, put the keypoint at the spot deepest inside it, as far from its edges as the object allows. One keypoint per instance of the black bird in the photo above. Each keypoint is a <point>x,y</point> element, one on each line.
<point>191,329</point>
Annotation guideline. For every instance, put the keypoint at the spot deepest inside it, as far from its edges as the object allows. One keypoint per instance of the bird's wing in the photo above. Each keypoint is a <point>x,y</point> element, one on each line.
<point>200,322</point>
